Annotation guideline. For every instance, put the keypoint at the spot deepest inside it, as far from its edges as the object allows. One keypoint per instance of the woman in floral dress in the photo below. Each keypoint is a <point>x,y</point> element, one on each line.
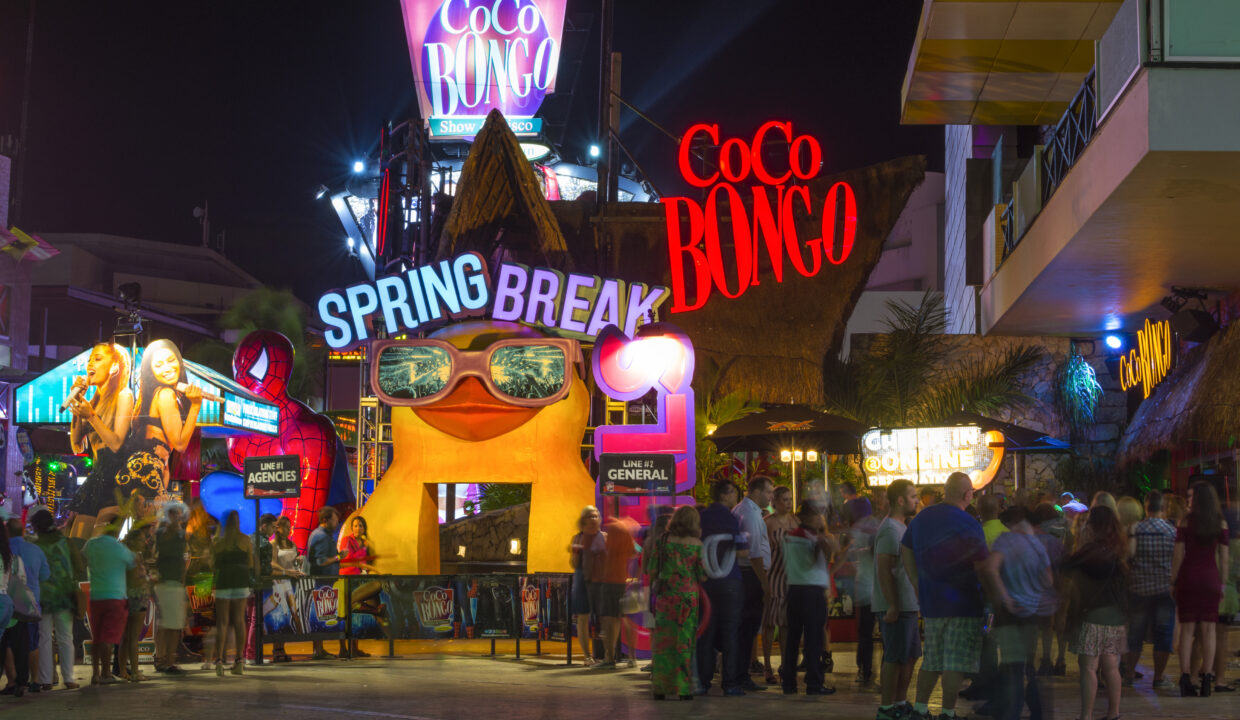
<point>676,568</point>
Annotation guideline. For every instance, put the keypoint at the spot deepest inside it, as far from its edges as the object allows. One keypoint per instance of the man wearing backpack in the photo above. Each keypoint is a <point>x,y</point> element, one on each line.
<point>59,599</point>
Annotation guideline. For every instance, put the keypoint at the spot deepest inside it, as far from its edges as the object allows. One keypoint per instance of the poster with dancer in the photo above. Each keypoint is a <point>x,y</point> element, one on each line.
<point>298,608</point>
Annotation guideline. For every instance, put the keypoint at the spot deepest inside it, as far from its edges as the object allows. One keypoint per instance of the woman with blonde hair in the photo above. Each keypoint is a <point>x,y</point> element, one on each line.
<point>677,568</point>
<point>586,553</point>
<point>100,426</point>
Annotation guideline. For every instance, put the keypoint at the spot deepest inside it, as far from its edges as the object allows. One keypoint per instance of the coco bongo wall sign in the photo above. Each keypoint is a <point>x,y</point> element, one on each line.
<point>777,199</point>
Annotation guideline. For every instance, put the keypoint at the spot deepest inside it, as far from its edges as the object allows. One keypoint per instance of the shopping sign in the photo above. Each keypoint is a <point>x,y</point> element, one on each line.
<point>703,260</point>
<point>274,476</point>
<point>572,305</point>
<point>927,456</point>
<point>473,56</point>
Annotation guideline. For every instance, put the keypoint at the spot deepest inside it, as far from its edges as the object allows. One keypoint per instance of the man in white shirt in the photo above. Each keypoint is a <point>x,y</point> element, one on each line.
<point>753,568</point>
<point>895,604</point>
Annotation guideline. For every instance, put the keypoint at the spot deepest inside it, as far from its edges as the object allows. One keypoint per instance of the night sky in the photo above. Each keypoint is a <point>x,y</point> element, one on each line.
<point>140,111</point>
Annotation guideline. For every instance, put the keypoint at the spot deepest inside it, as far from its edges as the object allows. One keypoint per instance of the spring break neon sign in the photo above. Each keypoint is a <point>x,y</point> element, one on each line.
<point>660,358</point>
<point>775,200</point>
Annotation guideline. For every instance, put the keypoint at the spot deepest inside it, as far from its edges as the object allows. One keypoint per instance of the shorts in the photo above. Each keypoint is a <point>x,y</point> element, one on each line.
<point>1151,614</point>
<point>1094,640</point>
<point>170,599</point>
<point>953,644</point>
<point>1017,637</point>
<point>901,639</point>
<point>107,620</point>
<point>605,598</point>
<point>579,600</point>
<point>32,629</point>
<point>232,593</point>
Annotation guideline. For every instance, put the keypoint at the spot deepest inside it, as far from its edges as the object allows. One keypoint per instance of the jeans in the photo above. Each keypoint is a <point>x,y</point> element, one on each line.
<point>865,640</point>
<point>807,613</point>
<point>1151,612</point>
<point>720,634</point>
<point>61,622</point>
<point>751,618</point>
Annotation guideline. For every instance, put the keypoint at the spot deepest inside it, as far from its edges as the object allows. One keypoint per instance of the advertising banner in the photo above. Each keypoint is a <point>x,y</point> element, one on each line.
<point>404,608</point>
<point>927,456</point>
<point>470,58</point>
<point>295,608</point>
<point>489,606</point>
<point>637,474</point>
<point>275,476</point>
<point>553,617</point>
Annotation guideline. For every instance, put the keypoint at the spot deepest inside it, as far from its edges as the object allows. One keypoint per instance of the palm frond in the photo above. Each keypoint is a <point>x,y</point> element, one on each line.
<point>982,386</point>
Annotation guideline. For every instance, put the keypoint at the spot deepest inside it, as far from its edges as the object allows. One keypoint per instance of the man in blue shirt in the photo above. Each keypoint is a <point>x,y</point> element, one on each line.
<point>720,533</point>
<point>37,571</point>
<point>754,584</point>
<point>324,560</point>
<point>942,551</point>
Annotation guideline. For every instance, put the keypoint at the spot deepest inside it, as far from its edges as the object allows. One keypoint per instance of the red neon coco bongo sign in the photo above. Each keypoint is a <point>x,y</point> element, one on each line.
<point>776,200</point>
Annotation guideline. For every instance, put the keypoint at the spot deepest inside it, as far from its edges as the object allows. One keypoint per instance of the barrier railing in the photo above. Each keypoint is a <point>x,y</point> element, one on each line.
<point>419,607</point>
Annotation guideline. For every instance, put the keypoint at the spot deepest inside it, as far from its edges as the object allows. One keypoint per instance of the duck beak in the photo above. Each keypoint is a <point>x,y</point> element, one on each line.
<point>471,413</point>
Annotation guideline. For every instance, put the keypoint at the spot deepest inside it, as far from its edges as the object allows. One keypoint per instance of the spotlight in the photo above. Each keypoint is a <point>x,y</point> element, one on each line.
<point>594,151</point>
<point>1115,342</point>
<point>319,192</point>
<point>358,166</point>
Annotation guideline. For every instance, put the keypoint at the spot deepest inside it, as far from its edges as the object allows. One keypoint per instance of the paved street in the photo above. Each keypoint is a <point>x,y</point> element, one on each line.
<point>447,687</point>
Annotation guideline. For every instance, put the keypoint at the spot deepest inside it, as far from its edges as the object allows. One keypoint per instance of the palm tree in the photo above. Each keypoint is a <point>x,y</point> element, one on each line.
<point>905,378</point>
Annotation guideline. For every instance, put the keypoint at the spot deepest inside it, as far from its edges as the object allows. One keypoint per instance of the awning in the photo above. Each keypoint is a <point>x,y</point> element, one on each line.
<point>241,412</point>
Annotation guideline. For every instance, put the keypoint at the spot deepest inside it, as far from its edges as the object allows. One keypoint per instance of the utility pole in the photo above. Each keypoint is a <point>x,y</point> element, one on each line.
<point>604,105</point>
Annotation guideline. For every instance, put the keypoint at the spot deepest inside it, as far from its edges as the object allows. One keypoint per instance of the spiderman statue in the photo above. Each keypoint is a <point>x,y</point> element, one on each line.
<point>263,365</point>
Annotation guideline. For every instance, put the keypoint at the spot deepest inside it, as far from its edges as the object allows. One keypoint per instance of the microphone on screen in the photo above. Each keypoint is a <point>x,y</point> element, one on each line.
<point>182,387</point>
<point>74,394</point>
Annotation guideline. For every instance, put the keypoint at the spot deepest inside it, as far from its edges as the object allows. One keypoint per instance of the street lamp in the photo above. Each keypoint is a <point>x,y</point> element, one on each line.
<point>794,457</point>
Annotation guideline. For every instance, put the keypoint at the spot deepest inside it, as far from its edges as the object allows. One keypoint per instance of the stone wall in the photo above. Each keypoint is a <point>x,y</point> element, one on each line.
<point>486,537</point>
<point>1101,441</point>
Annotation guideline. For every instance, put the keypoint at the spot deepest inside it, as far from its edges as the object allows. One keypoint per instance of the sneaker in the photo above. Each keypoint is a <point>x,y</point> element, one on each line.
<point>1163,684</point>
<point>901,711</point>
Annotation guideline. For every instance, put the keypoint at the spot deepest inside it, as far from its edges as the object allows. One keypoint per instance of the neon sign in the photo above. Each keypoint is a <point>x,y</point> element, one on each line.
<point>776,200</point>
<point>659,358</point>
<point>573,305</point>
<point>927,456</point>
<point>473,56</point>
<point>1151,364</point>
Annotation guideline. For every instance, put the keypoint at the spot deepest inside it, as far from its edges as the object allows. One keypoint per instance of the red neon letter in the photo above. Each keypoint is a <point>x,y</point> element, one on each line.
<point>790,234</point>
<point>725,160</point>
<point>676,250</point>
<point>766,225</point>
<point>815,157</point>
<point>742,243</point>
<point>759,170</point>
<point>686,143</point>
<point>828,223</point>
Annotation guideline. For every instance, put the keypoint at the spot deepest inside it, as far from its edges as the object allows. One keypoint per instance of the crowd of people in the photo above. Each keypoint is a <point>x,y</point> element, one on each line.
<point>981,590</point>
<point>49,579</point>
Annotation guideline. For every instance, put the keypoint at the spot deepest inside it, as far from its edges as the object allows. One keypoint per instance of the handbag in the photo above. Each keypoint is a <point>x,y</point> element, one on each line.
<point>635,599</point>
<point>25,607</point>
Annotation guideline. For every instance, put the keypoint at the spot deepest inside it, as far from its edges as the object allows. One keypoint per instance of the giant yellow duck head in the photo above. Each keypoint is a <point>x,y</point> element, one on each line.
<point>480,402</point>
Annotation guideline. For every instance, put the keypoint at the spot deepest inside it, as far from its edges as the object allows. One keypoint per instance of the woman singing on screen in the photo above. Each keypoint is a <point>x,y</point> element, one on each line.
<point>100,426</point>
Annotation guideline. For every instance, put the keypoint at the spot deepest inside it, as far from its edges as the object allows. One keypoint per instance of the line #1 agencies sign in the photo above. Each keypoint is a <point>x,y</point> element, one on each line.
<point>274,476</point>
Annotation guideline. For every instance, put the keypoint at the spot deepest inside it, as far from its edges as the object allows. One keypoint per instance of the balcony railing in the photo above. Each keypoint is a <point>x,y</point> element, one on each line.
<point>1072,135</point>
<point>1064,147</point>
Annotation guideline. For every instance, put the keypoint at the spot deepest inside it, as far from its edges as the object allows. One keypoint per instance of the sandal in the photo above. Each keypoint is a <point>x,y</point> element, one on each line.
<point>589,661</point>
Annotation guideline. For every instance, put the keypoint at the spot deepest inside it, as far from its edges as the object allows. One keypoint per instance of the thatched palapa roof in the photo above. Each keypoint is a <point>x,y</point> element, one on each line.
<point>1198,402</point>
<point>499,191</point>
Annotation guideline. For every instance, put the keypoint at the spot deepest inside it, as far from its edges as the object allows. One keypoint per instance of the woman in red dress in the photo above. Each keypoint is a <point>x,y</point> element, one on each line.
<point>1199,572</point>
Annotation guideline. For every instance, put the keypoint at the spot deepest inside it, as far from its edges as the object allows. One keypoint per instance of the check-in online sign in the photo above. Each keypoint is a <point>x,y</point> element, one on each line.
<point>470,57</point>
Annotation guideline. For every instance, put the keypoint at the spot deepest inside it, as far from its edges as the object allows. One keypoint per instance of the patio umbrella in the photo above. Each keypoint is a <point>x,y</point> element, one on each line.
<point>1016,438</point>
<point>786,427</point>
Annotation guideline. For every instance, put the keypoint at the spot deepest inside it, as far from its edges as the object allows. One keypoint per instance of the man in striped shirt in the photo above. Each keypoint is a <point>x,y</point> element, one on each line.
<point>1150,604</point>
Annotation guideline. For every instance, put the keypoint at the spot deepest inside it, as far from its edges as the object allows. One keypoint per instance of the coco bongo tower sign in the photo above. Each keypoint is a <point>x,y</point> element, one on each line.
<point>698,251</point>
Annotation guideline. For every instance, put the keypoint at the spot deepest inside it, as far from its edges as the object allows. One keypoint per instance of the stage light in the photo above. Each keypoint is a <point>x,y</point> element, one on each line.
<point>1115,342</point>
<point>594,151</point>
<point>349,240</point>
<point>358,166</point>
<point>319,192</point>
